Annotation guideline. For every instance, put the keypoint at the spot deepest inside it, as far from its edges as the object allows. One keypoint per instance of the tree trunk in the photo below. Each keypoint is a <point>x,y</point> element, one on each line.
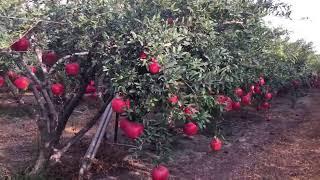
<point>42,161</point>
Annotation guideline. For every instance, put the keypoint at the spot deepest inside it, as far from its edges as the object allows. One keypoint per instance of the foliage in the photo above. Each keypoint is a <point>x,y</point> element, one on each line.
<point>205,48</point>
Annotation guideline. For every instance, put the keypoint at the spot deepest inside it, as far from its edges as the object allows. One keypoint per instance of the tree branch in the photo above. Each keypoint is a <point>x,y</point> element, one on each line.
<point>53,68</point>
<point>58,153</point>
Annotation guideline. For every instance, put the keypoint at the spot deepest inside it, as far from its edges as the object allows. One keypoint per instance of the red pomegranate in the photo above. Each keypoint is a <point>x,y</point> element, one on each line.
<point>49,58</point>
<point>268,96</point>
<point>22,83</point>
<point>131,129</point>
<point>91,88</point>
<point>262,81</point>
<point>160,173</point>
<point>33,69</point>
<point>57,89</point>
<point>119,105</point>
<point>170,21</point>
<point>257,90</point>
<point>236,105</point>
<point>228,104</point>
<point>190,129</point>
<point>189,110</point>
<point>173,99</point>
<point>154,68</point>
<point>216,144</point>
<point>221,99</point>
<point>72,69</point>
<point>1,81</point>
<point>238,92</point>
<point>252,87</point>
<point>22,44</point>
<point>143,55</point>
<point>265,105</point>
<point>12,75</point>
<point>246,100</point>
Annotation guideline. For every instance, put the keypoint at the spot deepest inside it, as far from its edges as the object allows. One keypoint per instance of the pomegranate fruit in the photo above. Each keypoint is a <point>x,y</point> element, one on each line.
<point>268,96</point>
<point>22,44</point>
<point>257,90</point>
<point>265,105</point>
<point>12,75</point>
<point>216,144</point>
<point>33,69</point>
<point>49,58</point>
<point>173,99</point>
<point>22,83</point>
<point>72,69</point>
<point>262,81</point>
<point>228,104</point>
<point>1,81</point>
<point>143,55</point>
<point>57,89</point>
<point>132,130</point>
<point>119,105</point>
<point>236,105</point>
<point>190,129</point>
<point>170,21</point>
<point>91,88</point>
<point>221,99</point>
<point>238,92</point>
<point>160,173</point>
<point>246,100</point>
<point>154,68</point>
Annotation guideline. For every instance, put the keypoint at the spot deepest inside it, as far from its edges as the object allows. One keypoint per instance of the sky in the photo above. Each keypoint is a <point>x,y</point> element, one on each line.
<point>304,23</point>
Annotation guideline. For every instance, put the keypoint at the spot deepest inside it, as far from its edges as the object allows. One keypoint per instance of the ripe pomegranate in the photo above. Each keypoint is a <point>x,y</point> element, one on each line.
<point>216,144</point>
<point>246,100</point>
<point>72,69</point>
<point>119,105</point>
<point>49,58</point>
<point>173,99</point>
<point>143,55</point>
<point>228,104</point>
<point>257,90</point>
<point>33,69</point>
<point>1,81</point>
<point>190,129</point>
<point>154,68</point>
<point>265,105</point>
<point>252,87</point>
<point>132,130</point>
<point>160,173</point>
<point>189,110</point>
<point>22,83</point>
<point>236,105</point>
<point>239,92</point>
<point>221,99</point>
<point>12,75</point>
<point>268,96</point>
<point>22,44</point>
<point>170,21</point>
<point>91,88</point>
<point>262,81</point>
<point>57,89</point>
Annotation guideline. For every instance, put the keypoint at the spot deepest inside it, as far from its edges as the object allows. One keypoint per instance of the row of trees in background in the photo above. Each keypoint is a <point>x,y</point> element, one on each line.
<point>168,62</point>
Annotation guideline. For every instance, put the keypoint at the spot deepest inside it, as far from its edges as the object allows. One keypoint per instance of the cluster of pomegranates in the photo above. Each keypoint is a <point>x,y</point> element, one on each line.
<point>246,98</point>
<point>154,66</point>
<point>49,58</point>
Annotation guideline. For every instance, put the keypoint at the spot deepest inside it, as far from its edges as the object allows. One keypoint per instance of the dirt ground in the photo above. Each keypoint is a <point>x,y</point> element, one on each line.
<point>286,147</point>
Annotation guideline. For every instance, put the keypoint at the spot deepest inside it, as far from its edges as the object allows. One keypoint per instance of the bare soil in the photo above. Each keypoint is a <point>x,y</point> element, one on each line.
<point>286,147</point>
